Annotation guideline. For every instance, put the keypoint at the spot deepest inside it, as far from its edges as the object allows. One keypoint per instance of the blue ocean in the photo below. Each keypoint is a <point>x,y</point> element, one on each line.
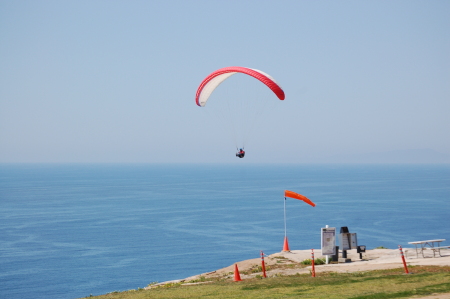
<point>69,231</point>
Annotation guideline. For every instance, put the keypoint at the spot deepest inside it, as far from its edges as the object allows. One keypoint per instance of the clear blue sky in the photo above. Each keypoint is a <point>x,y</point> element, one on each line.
<point>115,81</point>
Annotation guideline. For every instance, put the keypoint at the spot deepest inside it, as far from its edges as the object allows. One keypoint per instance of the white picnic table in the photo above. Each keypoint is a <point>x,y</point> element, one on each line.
<point>428,244</point>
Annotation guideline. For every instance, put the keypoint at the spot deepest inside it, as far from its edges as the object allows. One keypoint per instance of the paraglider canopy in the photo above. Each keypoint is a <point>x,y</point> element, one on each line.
<point>213,80</point>
<point>291,194</point>
<point>243,100</point>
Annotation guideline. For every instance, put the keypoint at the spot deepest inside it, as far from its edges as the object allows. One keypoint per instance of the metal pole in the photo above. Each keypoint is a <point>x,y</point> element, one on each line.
<point>326,257</point>
<point>285,217</point>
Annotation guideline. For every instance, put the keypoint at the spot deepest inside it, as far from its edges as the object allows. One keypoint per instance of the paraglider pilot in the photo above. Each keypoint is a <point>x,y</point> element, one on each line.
<point>241,153</point>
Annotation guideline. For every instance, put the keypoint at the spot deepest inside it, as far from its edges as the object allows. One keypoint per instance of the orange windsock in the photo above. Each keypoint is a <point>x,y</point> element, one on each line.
<point>291,194</point>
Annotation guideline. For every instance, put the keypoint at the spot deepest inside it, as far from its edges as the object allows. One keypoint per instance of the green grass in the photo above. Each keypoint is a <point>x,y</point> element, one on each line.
<point>392,283</point>
<point>318,261</point>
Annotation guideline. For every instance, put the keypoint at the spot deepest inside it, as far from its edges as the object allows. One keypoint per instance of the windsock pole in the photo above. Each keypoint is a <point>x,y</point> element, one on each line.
<point>291,194</point>
<point>285,244</point>
<point>285,234</point>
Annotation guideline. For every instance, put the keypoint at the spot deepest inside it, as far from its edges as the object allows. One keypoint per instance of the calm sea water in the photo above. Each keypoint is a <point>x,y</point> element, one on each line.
<point>68,231</point>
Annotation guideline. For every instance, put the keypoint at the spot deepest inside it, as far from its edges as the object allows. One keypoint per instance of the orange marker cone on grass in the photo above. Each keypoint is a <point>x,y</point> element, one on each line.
<point>237,277</point>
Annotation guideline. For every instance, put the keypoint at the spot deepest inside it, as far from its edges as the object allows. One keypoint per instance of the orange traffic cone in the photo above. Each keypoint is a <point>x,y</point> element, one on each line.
<point>237,277</point>
<point>286,245</point>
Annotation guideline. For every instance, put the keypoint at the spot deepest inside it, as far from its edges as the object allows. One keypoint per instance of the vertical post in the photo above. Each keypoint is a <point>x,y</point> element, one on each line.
<point>403,259</point>
<point>263,265</point>
<point>285,244</point>
<point>313,270</point>
<point>285,218</point>
<point>326,257</point>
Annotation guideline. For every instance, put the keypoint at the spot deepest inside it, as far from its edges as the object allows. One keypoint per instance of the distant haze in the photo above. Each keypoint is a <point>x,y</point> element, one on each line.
<point>399,156</point>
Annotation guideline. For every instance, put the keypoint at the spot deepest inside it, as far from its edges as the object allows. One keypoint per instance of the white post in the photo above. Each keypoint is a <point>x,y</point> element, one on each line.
<point>326,257</point>
<point>285,217</point>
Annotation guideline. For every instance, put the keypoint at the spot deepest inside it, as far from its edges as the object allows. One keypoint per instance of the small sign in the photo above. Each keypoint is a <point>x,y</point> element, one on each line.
<point>328,241</point>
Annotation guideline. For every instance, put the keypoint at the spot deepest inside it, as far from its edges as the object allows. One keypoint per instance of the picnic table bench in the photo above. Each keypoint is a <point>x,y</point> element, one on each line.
<point>437,249</point>
<point>429,245</point>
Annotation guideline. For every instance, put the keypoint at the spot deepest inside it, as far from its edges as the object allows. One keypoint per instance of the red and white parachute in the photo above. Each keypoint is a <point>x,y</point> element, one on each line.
<point>241,102</point>
<point>213,80</point>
